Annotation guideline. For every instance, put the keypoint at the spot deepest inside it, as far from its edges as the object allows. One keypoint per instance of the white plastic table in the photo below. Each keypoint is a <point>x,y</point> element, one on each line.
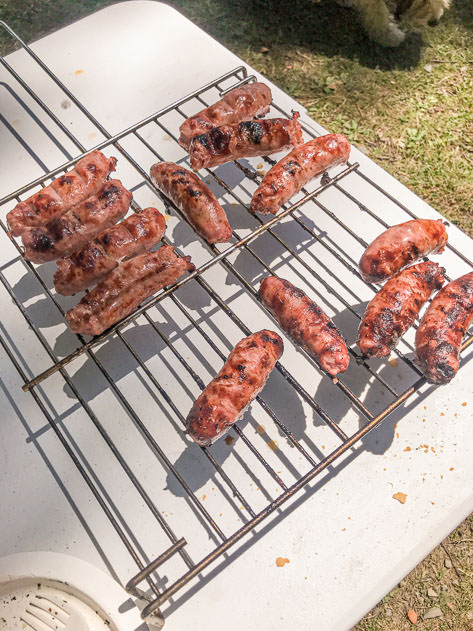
<point>350,542</point>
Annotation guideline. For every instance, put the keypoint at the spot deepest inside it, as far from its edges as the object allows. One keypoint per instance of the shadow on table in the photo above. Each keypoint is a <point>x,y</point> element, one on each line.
<point>324,28</point>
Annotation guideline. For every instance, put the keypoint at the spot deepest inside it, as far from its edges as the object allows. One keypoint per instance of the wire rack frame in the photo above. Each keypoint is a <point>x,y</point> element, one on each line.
<point>156,596</point>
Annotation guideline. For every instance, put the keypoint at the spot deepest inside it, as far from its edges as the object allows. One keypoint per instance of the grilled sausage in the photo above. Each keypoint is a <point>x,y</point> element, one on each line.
<point>441,330</point>
<point>401,245</point>
<point>70,231</point>
<point>89,265</point>
<point>306,323</point>
<point>237,105</point>
<point>243,140</point>
<point>241,378</point>
<point>124,288</point>
<point>396,306</point>
<point>84,180</point>
<point>289,175</point>
<point>194,199</point>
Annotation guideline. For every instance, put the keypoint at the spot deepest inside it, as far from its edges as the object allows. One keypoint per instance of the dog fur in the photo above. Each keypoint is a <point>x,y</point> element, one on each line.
<point>386,21</point>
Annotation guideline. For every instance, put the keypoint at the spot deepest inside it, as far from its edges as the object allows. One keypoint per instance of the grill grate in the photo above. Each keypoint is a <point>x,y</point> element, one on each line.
<point>309,251</point>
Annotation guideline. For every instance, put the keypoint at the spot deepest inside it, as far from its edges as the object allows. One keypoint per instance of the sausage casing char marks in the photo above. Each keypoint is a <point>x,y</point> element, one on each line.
<point>306,323</point>
<point>401,245</point>
<point>194,199</point>
<point>120,293</point>
<point>70,231</point>
<point>84,180</point>
<point>244,140</point>
<point>396,306</point>
<point>289,175</point>
<point>237,105</point>
<point>241,378</point>
<point>441,330</point>
<point>89,265</point>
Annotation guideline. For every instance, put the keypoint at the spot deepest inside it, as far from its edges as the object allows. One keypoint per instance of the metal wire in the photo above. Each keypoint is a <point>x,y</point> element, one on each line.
<point>230,491</point>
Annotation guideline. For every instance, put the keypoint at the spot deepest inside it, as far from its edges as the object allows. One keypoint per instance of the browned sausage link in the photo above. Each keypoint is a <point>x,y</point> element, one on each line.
<point>85,179</point>
<point>441,330</point>
<point>70,231</point>
<point>194,199</point>
<point>241,378</point>
<point>237,105</point>
<point>306,323</point>
<point>289,175</point>
<point>400,245</point>
<point>243,140</point>
<point>396,306</point>
<point>120,293</point>
<point>89,265</point>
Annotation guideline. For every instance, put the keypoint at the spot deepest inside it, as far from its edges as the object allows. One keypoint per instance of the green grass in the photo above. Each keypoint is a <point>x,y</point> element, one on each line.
<point>410,109</point>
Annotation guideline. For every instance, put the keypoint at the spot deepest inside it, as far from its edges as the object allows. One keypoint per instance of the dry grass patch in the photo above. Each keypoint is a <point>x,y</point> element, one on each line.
<point>444,581</point>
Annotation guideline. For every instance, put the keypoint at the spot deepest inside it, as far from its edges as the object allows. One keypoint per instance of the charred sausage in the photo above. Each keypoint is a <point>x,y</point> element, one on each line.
<point>120,293</point>
<point>89,265</point>
<point>237,105</point>
<point>70,231</point>
<point>306,323</point>
<point>289,175</point>
<point>401,245</point>
<point>241,378</point>
<point>194,199</point>
<point>243,140</point>
<point>441,330</point>
<point>396,306</point>
<point>85,179</point>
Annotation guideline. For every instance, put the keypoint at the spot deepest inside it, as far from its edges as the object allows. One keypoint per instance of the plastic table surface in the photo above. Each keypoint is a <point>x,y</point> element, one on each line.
<point>350,542</point>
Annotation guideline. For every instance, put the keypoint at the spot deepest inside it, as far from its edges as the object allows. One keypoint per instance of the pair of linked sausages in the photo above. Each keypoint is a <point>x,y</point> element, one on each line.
<point>76,215</point>
<point>226,131</point>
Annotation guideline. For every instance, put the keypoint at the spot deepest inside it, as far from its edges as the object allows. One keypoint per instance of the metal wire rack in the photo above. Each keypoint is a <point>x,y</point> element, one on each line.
<point>291,241</point>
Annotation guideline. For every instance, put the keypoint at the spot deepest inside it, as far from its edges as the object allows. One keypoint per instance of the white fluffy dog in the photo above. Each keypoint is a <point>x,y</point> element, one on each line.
<point>384,20</point>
